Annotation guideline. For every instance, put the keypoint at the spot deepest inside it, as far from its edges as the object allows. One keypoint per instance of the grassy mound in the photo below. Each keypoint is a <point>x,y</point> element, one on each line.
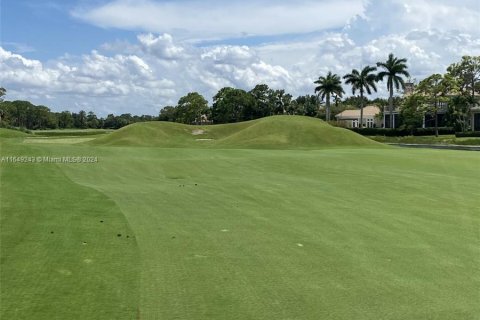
<point>277,132</point>
<point>9,133</point>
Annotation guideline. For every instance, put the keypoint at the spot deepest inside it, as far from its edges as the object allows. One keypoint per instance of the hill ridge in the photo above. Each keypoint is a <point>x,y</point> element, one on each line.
<point>275,132</point>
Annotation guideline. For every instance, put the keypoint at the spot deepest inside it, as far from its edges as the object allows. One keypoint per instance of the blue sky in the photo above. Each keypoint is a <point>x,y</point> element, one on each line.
<point>45,29</point>
<point>140,55</point>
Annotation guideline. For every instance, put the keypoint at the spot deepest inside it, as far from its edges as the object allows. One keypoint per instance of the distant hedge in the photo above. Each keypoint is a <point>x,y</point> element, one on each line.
<point>403,132</point>
<point>471,134</point>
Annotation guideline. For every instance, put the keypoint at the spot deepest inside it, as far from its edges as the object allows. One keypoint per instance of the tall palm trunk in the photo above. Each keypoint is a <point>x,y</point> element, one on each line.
<point>436,117</point>
<point>390,107</point>
<point>319,105</point>
<point>361,108</point>
<point>327,108</point>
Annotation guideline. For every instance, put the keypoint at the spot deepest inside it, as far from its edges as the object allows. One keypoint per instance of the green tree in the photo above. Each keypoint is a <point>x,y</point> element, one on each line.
<point>6,108</point>
<point>110,122</point>
<point>281,101</point>
<point>80,120</point>
<point>190,108</point>
<point>434,89</point>
<point>327,86</point>
<point>40,117</point>
<point>393,70</point>
<point>363,81</point>
<point>232,105</point>
<point>51,121</point>
<point>412,112</point>
<point>3,92</point>
<point>305,105</point>
<point>459,112</point>
<point>467,73</point>
<point>65,119</point>
<point>145,118</point>
<point>92,120</point>
<point>168,114</point>
<point>20,114</point>
<point>124,120</point>
<point>263,104</point>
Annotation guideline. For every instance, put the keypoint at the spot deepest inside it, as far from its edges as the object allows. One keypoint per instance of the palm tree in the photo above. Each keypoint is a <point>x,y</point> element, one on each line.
<point>363,81</point>
<point>328,86</point>
<point>393,69</point>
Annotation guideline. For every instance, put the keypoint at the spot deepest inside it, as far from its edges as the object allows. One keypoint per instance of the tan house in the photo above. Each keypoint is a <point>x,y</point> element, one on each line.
<point>351,118</point>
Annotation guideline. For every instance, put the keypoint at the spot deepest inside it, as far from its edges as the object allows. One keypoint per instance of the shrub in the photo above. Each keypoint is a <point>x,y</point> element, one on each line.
<point>402,132</point>
<point>380,132</point>
<point>431,131</point>
<point>471,134</point>
<point>468,142</point>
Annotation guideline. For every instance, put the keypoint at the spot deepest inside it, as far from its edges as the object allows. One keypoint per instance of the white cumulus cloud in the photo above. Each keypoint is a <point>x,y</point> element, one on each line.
<point>217,19</point>
<point>161,46</point>
<point>140,82</point>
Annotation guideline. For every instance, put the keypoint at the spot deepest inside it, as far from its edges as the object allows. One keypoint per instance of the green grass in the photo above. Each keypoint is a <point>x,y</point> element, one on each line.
<point>9,133</point>
<point>58,261</point>
<point>334,233</point>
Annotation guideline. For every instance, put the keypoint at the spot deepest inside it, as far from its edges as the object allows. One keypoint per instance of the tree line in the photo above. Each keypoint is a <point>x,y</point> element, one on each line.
<point>458,88</point>
<point>235,105</point>
<point>24,114</point>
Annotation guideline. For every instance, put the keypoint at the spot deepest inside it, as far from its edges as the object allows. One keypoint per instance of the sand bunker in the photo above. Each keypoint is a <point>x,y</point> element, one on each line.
<point>198,132</point>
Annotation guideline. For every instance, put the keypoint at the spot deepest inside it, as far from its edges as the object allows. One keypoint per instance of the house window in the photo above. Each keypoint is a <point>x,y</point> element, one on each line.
<point>476,122</point>
<point>369,123</point>
<point>354,123</point>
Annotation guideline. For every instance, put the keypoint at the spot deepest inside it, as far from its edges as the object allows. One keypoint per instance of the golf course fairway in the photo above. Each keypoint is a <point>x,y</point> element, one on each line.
<point>241,221</point>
